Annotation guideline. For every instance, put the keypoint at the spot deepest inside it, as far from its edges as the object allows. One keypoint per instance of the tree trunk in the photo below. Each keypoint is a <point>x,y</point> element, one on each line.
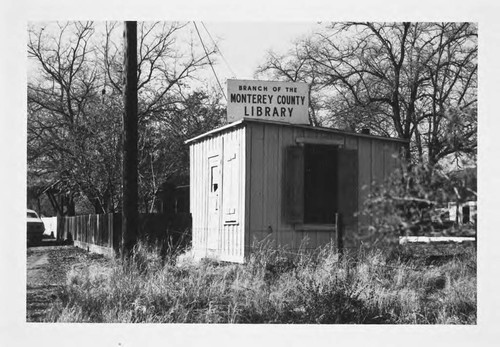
<point>98,208</point>
<point>53,202</point>
<point>71,210</point>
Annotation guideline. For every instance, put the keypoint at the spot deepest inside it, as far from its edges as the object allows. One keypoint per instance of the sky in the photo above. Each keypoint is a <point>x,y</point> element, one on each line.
<point>244,44</point>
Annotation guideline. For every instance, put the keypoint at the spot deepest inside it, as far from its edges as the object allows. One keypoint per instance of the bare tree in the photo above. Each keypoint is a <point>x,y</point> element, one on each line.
<point>165,115</point>
<point>403,79</point>
<point>65,117</point>
<point>163,69</point>
<point>165,157</point>
<point>296,67</point>
<point>75,105</point>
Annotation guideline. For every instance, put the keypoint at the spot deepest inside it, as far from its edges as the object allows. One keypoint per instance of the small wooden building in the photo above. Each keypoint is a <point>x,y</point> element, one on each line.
<point>255,179</point>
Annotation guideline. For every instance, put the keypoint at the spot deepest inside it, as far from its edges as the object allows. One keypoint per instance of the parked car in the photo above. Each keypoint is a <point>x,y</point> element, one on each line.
<point>35,227</point>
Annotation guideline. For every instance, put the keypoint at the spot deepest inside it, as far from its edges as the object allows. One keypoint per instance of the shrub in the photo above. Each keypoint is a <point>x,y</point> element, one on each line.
<point>410,202</point>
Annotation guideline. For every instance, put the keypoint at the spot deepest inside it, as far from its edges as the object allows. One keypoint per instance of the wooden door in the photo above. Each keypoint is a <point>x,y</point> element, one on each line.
<point>214,203</point>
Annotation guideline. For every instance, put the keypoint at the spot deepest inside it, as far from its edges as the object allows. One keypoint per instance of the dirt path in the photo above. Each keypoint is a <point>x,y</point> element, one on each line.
<point>46,275</point>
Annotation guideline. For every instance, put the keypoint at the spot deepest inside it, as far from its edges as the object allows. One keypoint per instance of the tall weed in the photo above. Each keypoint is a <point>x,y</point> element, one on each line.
<point>274,287</point>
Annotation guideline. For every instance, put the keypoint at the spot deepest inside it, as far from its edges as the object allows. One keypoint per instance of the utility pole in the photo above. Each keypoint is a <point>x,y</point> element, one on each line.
<point>130,135</point>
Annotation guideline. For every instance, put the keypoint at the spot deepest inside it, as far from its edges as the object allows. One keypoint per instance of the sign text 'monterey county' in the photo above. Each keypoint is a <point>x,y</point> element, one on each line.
<point>281,101</point>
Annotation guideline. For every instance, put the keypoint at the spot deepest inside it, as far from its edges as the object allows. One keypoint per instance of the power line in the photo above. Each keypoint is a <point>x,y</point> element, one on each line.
<point>209,61</point>
<point>219,50</point>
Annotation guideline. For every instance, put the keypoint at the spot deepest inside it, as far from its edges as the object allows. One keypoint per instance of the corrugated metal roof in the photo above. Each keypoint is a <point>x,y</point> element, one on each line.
<point>302,126</point>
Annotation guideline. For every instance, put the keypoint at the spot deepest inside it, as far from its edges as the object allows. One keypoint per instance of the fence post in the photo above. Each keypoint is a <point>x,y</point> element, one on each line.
<point>117,232</point>
<point>59,228</point>
<point>339,229</point>
<point>475,241</point>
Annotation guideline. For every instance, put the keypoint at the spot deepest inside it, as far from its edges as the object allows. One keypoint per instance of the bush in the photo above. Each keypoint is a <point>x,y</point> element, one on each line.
<point>411,202</point>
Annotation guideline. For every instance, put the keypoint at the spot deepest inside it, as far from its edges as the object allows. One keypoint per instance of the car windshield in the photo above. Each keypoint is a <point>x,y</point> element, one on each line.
<point>32,215</point>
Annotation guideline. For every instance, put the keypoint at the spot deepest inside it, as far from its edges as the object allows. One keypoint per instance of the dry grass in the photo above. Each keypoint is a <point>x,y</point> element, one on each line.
<point>396,288</point>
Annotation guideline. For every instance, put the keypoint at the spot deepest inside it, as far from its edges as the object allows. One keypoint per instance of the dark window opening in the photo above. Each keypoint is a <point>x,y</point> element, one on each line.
<point>466,214</point>
<point>214,185</point>
<point>320,184</point>
<point>320,181</point>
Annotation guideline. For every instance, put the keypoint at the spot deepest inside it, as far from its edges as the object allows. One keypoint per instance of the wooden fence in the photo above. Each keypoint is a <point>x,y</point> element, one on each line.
<point>102,232</point>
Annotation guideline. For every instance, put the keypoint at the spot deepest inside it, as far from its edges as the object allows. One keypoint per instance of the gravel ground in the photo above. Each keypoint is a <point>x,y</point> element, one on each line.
<point>46,274</point>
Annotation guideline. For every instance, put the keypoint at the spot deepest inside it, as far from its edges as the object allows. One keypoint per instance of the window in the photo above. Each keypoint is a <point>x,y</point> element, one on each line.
<point>320,180</point>
<point>214,179</point>
<point>320,184</point>
<point>466,214</point>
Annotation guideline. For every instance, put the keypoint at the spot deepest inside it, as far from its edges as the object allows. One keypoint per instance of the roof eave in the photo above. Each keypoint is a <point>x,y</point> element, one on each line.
<point>331,130</point>
<point>211,132</point>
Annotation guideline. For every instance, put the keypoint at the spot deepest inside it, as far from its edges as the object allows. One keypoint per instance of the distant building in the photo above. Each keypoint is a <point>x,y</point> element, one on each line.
<point>463,213</point>
<point>172,199</point>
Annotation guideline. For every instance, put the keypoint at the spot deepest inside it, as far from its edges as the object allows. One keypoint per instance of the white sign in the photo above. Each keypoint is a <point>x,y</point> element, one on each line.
<point>279,101</point>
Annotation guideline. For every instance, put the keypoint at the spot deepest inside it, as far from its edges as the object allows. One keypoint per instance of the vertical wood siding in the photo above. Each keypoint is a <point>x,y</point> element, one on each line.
<point>260,186</point>
<point>96,229</point>
<point>230,236</point>
<point>364,176</point>
<point>104,230</point>
<point>266,145</point>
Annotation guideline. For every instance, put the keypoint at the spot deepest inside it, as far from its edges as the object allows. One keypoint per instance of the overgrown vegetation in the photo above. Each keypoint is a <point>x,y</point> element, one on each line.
<point>413,201</point>
<point>398,287</point>
<point>75,107</point>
